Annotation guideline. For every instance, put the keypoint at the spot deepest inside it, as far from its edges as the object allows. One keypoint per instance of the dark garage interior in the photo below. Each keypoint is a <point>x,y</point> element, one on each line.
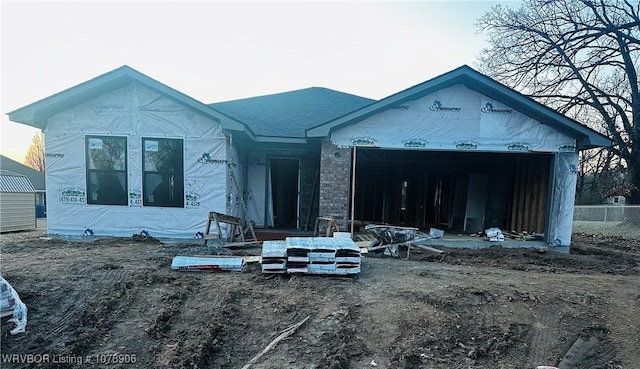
<point>456,191</point>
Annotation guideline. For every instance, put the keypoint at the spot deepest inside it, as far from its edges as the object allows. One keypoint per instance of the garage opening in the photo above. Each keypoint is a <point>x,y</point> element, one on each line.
<point>285,191</point>
<point>457,191</point>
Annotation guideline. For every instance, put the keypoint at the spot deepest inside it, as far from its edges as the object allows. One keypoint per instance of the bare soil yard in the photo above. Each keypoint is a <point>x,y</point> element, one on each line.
<point>115,303</point>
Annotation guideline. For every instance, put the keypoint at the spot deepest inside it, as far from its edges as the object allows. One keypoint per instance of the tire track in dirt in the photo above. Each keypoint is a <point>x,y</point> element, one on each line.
<point>623,312</point>
<point>100,279</point>
<point>334,331</point>
<point>112,276</point>
<point>65,321</point>
<point>542,338</point>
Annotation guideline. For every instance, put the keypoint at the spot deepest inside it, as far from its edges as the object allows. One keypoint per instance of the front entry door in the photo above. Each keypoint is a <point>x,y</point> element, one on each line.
<point>285,190</point>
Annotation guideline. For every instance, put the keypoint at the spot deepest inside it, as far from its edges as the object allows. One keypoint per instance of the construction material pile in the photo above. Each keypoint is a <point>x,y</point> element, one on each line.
<point>311,255</point>
<point>206,263</point>
<point>11,305</point>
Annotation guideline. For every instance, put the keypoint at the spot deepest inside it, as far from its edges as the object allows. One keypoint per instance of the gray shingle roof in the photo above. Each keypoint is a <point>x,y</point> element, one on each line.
<point>14,182</point>
<point>290,114</point>
<point>36,178</point>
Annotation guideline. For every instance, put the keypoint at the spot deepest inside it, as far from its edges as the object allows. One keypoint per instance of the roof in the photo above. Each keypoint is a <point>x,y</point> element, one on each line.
<point>35,177</point>
<point>290,114</point>
<point>314,112</point>
<point>474,80</point>
<point>36,114</point>
<point>14,182</point>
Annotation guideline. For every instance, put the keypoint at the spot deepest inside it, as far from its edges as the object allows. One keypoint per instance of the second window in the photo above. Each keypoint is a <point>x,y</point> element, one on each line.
<point>163,175</point>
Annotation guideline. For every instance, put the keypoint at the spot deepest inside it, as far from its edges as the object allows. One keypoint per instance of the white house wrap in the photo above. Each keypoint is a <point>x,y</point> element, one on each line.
<point>133,112</point>
<point>454,118</point>
<point>564,191</point>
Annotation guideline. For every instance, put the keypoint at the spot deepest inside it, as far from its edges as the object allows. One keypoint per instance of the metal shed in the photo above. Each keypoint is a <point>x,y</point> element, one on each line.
<point>17,202</point>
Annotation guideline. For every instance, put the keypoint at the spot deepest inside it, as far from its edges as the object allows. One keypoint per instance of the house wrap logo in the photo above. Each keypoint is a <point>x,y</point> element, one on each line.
<point>207,159</point>
<point>437,106</point>
<point>488,108</point>
<point>135,198</point>
<point>363,141</point>
<point>415,143</point>
<point>518,146</point>
<point>567,147</point>
<point>192,200</point>
<point>466,145</point>
<point>73,195</point>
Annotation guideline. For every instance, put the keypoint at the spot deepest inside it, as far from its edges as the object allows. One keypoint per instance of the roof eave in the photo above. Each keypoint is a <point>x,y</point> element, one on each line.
<point>276,139</point>
<point>37,113</point>
<point>590,142</point>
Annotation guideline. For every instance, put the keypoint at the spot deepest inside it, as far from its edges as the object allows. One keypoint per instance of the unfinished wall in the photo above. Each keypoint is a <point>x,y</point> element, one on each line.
<point>530,194</point>
<point>135,113</point>
<point>309,191</point>
<point>335,175</point>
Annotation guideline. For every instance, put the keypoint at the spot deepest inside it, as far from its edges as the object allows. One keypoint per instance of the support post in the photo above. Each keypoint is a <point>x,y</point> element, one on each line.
<point>353,190</point>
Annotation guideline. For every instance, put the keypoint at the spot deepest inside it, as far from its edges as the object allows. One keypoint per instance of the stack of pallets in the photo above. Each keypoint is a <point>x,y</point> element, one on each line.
<point>311,255</point>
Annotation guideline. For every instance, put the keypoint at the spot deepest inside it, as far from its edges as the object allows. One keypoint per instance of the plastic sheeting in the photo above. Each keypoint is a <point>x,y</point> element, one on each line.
<point>256,188</point>
<point>235,194</point>
<point>560,224</point>
<point>133,112</point>
<point>454,118</point>
<point>11,305</point>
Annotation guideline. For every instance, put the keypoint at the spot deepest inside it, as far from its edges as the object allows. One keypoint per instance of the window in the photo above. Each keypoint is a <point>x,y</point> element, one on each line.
<point>163,177</point>
<point>106,170</point>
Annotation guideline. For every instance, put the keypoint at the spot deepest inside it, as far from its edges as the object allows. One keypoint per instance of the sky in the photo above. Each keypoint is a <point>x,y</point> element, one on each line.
<point>217,51</point>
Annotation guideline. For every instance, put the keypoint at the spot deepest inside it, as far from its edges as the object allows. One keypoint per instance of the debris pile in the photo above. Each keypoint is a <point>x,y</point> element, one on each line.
<point>311,255</point>
<point>494,234</point>
<point>389,239</point>
<point>499,235</point>
<point>388,234</point>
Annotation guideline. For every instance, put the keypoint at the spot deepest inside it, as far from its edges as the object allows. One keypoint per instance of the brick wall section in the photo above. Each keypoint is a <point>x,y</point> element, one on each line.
<point>335,183</point>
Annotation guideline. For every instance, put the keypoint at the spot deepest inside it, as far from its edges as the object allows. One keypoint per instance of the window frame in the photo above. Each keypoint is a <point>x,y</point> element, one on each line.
<point>88,157</point>
<point>179,198</point>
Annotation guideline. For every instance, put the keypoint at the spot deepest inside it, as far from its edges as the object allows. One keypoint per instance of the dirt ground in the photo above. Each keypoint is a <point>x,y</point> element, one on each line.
<point>115,303</point>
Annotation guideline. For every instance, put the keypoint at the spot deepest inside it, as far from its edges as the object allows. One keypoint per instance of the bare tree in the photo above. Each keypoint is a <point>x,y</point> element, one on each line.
<point>601,176</point>
<point>580,57</point>
<point>35,154</point>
